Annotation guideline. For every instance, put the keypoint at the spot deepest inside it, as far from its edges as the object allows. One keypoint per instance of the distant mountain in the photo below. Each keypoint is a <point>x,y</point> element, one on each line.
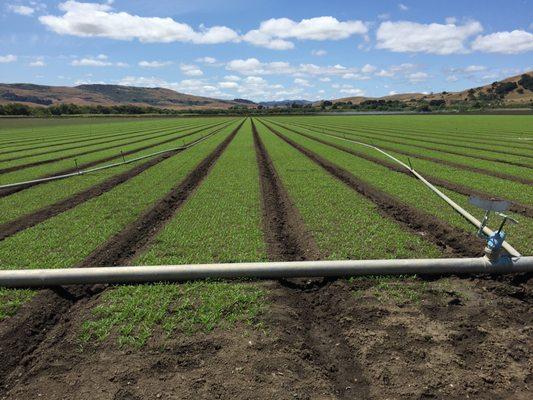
<point>107,95</point>
<point>284,103</point>
<point>513,90</point>
<point>243,101</point>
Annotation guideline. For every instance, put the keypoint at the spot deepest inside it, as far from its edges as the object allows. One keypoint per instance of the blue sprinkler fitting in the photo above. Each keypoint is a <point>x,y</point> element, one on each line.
<point>495,241</point>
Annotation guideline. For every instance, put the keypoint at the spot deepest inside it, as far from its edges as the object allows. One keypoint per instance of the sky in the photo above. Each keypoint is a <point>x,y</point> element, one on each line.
<point>267,50</point>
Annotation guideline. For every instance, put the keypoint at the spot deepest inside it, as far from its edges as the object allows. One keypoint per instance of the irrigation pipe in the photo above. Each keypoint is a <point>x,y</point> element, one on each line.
<point>266,270</point>
<point>469,217</point>
<point>108,166</point>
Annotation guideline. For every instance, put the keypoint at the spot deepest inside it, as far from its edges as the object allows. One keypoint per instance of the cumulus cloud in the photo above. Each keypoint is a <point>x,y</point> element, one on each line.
<point>302,82</point>
<point>351,91</point>
<point>8,59</point>
<point>403,7</point>
<point>21,10</point>
<point>514,42</point>
<point>154,64</point>
<point>206,60</point>
<point>37,63</point>
<point>319,53</point>
<point>417,77</point>
<point>443,39</point>
<point>228,85</point>
<point>276,32</point>
<point>191,70</point>
<point>99,61</point>
<point>99,20</point>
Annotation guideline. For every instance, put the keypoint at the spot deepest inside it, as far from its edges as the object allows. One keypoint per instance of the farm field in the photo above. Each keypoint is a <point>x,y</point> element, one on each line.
<point>278,188</point>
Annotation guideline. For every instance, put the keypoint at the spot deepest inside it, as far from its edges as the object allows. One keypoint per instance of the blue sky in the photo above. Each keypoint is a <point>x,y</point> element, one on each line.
<point>267,50</point>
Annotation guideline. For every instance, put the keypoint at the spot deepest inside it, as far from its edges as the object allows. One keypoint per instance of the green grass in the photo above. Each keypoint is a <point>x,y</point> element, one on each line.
<point>11,300</point>
<point>220,223</point>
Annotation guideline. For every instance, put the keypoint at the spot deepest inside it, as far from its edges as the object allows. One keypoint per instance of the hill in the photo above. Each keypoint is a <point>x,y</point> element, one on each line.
<point>107,95</point>
<point>513,90</point>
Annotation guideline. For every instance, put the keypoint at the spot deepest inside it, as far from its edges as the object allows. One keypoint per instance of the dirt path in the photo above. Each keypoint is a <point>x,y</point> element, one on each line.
<point>515,207</point>
<point>39,326</point>
<point>314,330</point>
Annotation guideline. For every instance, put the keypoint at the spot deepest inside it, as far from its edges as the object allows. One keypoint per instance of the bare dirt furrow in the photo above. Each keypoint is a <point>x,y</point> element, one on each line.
<point>13,190</point>
<point>38,328</point>
<point>314,333</point>
<point>73,156</point>
<point>456,153</point>
<point>501,175</point>
<point>461,189</point>
<point>453,241</point>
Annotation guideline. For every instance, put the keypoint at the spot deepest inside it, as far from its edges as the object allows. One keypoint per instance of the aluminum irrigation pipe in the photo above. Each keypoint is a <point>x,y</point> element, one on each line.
<point>87,171</point>
<point>469,217</point>
<point>266,270</point>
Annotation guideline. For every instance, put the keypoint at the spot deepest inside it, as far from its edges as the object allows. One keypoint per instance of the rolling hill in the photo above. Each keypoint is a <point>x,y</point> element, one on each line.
<point>513,90</point>
<point>107,95</point>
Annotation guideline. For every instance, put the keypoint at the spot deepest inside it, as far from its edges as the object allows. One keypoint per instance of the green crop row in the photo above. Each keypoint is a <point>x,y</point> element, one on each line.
<point>221,222</point>
<point>435,145</point>
<point>497,187</point>
<point>344,224</point>
<point>35,198</point>
<point>494,166</point>
<point>410,191</point>
<point>174,138</point>
<point>66,239</point>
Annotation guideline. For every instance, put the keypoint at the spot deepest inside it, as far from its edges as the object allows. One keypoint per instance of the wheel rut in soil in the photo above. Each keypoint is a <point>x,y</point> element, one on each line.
<point>10,191</point>
<point>515,207</point>
<point>315,330</point>
<point>27,221</point>
<point>40,324</point>
<point>453,241</point>
<point>456,153</point>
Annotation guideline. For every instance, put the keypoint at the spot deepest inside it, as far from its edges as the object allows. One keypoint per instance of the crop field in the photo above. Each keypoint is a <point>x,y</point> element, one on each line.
<point>252,189</point>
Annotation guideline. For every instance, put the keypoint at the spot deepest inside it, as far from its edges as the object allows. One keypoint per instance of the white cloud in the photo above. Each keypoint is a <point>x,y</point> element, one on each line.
<point>99,61</point>
<point>384,16</point>
<point>232,78</point>
<point>275,32</point>
<point>252,66</point>
<point>405,36</point>
<point>206,60</point>
<point>37,63</point>
<point>403,7</point>
<point>417,77</point>
<point>154,64</point>
<point>319,53</point>
<point>99,20</point>
<point>352,91</point>
<point>326,79</point>
<point>452,78</point>
<point>475,68</point>
<point>368,69</point>
<point>21,10</point>
<point>191,70</point>
<point>392,93</point>
<point>450,20</point>
<point>8,59</point>
<point>302,82</point>
<point>513,42</point>
<point>228,85</point>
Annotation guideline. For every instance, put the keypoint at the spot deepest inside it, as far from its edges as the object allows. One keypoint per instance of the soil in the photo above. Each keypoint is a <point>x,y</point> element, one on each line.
<point>515,207</point>
<point>319,339</point>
